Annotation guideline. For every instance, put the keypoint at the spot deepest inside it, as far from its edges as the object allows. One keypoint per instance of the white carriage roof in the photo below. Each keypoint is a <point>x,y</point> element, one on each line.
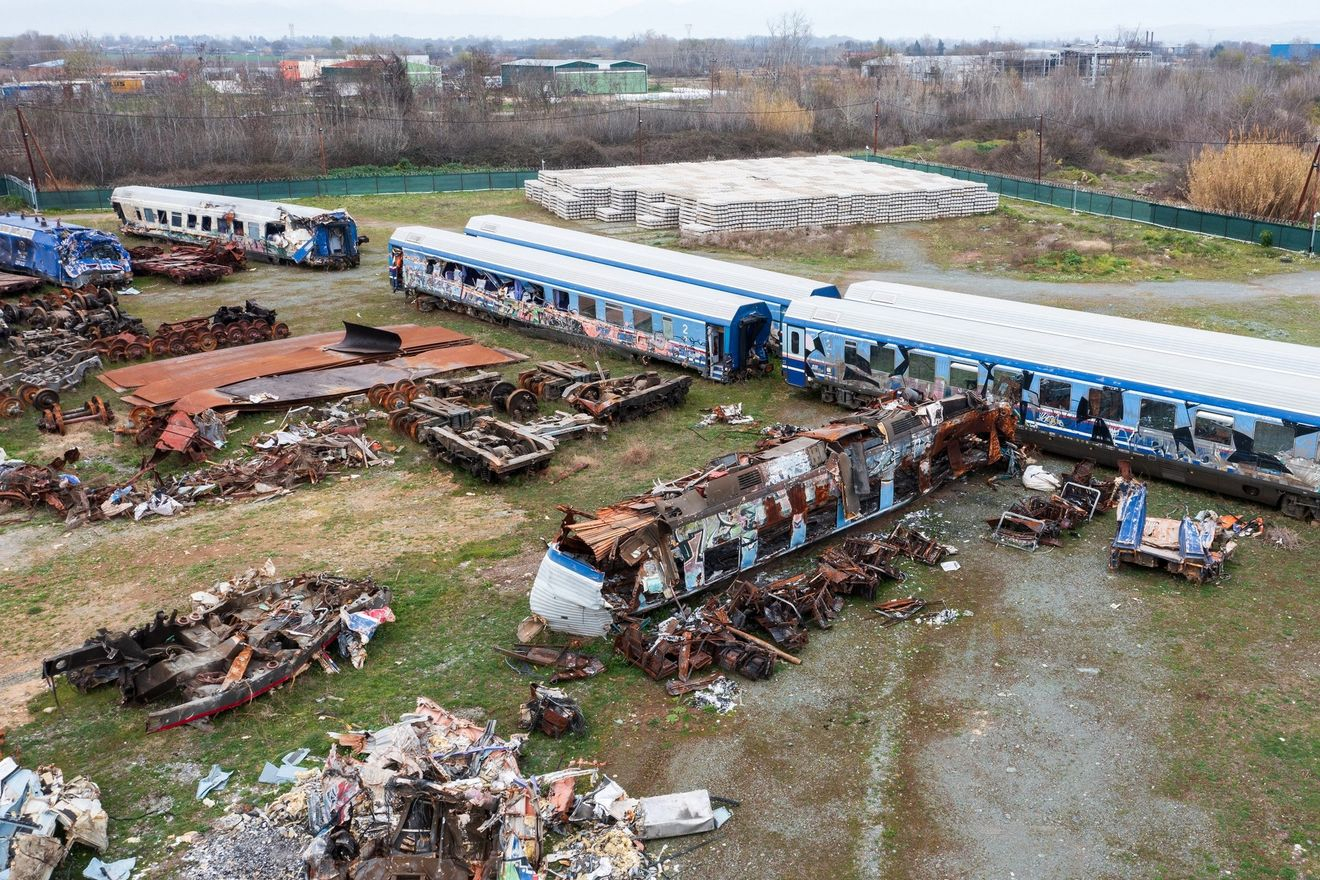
<point>574,273</point>
<point>1283,385</point>
<point>182,199</point>
<point>1227,348</point>
<point>705,271</point>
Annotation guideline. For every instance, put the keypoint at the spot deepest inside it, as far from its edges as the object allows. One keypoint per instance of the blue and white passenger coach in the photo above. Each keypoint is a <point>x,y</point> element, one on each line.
<point>775,289</point>
<point>62,253</point>
<point>1231,414</point>
<point>271,231</point>
<point>721,335</point>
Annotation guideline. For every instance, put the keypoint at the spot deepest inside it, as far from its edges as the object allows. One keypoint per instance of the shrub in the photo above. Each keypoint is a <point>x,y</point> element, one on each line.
<point>1266,239</point>
<point>1248,177</point>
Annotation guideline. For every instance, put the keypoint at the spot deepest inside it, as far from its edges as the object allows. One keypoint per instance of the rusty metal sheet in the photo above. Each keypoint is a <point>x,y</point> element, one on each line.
<point>340,381</point>
<point>285,355</point>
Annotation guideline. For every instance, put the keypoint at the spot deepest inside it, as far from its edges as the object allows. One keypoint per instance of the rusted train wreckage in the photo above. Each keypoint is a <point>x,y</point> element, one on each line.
<point>746,508</point>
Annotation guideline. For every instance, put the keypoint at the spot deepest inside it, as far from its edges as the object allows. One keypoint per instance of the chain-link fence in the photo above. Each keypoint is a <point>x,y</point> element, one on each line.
<point>1284,235</point>
<point>275,190</point>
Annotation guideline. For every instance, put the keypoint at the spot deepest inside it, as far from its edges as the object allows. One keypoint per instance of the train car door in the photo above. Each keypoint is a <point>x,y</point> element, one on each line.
<point>751,351</point>
<point>714,351</point>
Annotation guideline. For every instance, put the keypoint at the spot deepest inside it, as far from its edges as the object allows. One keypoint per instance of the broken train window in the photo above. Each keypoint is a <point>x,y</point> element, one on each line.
<point>1272,438</point>
<point>1157,415</point>
<point>1055,394</point>
<point>964,376</point>
<point>1214,427</point>
<point>921,366</point>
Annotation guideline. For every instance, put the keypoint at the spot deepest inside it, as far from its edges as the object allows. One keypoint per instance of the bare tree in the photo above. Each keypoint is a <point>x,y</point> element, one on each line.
<point>786,51</point>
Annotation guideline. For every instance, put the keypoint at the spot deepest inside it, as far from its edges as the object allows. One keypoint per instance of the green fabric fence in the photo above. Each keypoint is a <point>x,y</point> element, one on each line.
<point>277,190</point>
<point>1285,235</point>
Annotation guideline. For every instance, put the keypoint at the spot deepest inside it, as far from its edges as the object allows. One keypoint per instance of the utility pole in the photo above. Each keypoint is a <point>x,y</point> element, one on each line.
<point>1040,144</point>
<point>32,168</point>
<point>1313,171</point>
<point>639,135</point>
<point>875,130</point>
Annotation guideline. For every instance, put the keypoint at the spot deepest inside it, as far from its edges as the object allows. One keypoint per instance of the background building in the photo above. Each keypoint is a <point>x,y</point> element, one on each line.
<point>575,76</point>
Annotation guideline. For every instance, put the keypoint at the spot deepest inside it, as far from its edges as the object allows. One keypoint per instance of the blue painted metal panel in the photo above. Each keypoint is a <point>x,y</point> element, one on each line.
<point>62,253</point>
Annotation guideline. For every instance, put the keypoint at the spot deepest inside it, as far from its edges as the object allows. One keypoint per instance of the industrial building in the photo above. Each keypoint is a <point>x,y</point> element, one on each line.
<point>575,76</point>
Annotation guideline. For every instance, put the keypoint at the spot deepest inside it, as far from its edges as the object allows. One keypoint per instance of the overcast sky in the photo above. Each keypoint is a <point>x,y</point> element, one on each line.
<point>1172,20</point>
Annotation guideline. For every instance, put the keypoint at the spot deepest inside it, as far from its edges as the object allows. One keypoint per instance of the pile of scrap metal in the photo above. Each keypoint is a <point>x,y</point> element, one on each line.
<point>552,712</point>
<point>189,264</point>
<point>1195,548</point>
<point>284,458</point>
<point>240,640</point>
<point>628,397</point>
<point>746,508</point>
<point>11,284</point>
<point>26,486</point>
<point>42,817</point>
<point>89,312</point>
<point>717,632</point>
<point>569,664</point>
<point>725,414</point>
<point>442,797</point>
<point>192,436</point>
<point>1038,520</point>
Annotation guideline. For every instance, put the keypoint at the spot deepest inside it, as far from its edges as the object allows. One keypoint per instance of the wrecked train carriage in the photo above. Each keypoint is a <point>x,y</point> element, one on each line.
<point>62,253</point>
<point>1217,411</point>
<point>272,231</point>
<point>749,507</point>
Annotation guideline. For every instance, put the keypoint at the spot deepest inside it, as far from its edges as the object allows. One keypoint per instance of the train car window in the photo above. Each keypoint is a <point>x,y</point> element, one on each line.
<point>965,376</point>
<point>921,366</point>
<point>274,229</point>
<point>561,299</point>
<point>1271,439</point>
<point>642,320</point>
<point>150,215</point>
<point>176,219</point>
<point>1107,403</point>
<point>667,326</point>
<point>1156,415</point>
<point>430,267</point>
<point>795,341</point>
<point>882,358</point>
<point>192,221</point>
<point>586,306</point>
<point>138,214</point>
<point>1055,394</point>
<point>238,227</point>
<point>1215,427</point>
<point>162,217</point>
<point>1008,383</point>
<point>206,224</point>
<point>613,314</point>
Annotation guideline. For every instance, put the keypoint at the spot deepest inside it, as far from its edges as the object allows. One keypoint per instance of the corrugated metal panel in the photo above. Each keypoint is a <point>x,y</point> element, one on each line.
<point>1274,383</point>
<point>736,278</point>
<point>568,596</point>
<point>575,273</point>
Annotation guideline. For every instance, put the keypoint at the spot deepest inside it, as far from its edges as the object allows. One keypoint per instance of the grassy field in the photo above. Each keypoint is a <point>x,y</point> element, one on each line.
<point>1235,661</point>
<point>1043,243</point>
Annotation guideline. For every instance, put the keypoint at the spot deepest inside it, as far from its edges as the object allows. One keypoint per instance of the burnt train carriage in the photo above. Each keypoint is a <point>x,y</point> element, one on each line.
<point>1227,413</point>
<point>271,231</point>
<point>775,289</point>
<point>62,253</point>
<point>720,335</point>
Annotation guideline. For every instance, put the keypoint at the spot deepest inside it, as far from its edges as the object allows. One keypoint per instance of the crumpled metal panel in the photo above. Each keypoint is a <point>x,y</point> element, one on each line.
<point>568,595</point>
